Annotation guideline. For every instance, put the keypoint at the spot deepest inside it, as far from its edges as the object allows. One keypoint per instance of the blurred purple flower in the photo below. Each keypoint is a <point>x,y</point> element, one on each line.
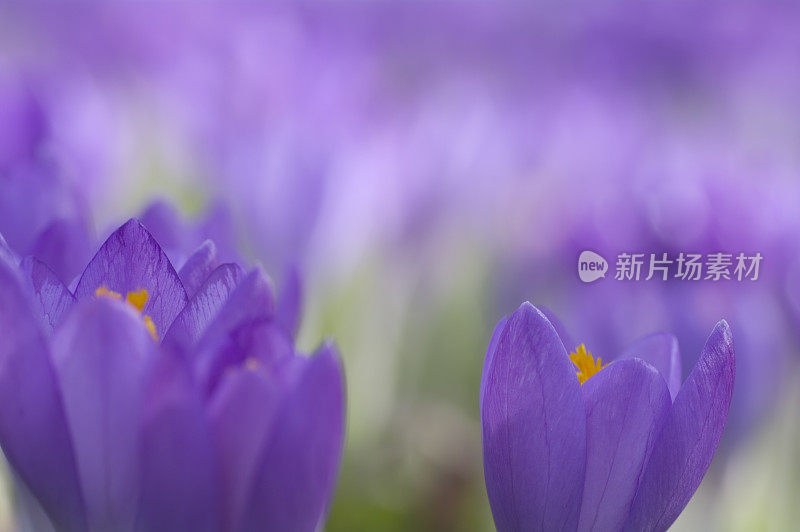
<point>131,405</point>
<point>41,214</point>
<point>617,447</point>
<point>180,237</point>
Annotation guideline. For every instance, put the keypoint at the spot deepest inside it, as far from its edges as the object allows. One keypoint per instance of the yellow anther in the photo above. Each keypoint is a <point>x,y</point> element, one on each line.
<point>252,364</point>
<point>585,362</point>
<point>137,299</point>
<point>102,291</point>
<point>151,327</point>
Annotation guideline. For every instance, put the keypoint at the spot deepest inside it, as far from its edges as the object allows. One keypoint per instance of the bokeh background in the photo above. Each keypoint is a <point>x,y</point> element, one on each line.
<point>427,168</point>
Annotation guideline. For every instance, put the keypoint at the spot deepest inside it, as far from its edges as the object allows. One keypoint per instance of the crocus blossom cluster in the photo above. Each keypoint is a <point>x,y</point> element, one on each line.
<point>572,444</point>
<point>154,399</point>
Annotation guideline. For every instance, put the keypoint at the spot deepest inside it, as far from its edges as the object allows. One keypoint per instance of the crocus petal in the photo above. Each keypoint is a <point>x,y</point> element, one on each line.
<point>298,470</point>
<point>261,340</point>
<point>690,436</point>
<point>65,246</point>
<point>569,343</point>
<point>102,352</point>
<point>179,486</point>
<point>487,362</point>
<point>250,300</point>
<point>204,306</point>
<point>626,405</point>
<point>241,412</point>
<point>33,429</point>
<point>6,255</point>
<point>29,516</point>
<point>661,351</point>
<point>51,298</point>
<point>534,428</point>
<point>131,260</point>
<point>198,267</point>
<point>287,313</point>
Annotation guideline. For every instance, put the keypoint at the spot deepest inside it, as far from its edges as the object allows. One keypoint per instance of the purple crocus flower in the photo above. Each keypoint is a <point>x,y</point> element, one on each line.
<point>572,444</point>
<point>129,405</point>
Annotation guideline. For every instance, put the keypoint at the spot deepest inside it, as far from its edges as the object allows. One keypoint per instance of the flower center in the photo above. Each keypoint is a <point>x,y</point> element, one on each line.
<point>135,299</point>
<point>585,362</point>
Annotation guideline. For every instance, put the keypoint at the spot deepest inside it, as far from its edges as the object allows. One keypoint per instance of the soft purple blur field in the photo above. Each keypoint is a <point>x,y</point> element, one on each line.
<point>428,167</point>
